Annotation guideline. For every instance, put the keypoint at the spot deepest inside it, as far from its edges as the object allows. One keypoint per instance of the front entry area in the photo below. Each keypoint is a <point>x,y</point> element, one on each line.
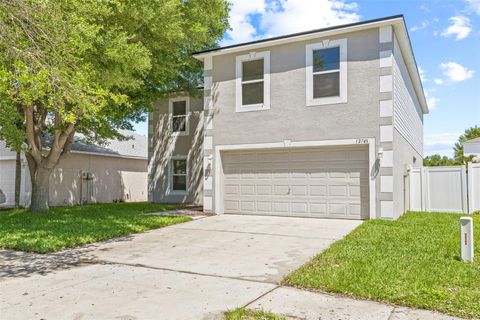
<point>320,182</point>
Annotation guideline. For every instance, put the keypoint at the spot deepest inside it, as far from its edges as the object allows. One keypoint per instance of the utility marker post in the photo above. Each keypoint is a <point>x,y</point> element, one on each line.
<point>466,239</point>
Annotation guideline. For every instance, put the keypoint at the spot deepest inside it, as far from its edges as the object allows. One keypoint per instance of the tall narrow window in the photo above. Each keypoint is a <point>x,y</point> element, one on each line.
<point>179,109</point>
<point>326,73</point>
<point>253,81</point>
<point>179,175</point>
<point>326,65</point>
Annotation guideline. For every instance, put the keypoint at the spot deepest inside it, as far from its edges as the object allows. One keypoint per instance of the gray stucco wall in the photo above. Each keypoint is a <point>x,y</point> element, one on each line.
<point>404,155</point>
<point>289,118</point>
<point>162,146</point>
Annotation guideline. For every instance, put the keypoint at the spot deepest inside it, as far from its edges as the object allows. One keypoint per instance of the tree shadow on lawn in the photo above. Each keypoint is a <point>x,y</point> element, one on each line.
<point>20,264</point>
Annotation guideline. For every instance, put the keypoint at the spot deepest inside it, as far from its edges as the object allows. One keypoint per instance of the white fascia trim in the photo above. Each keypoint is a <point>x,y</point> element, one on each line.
<point>170,176</point>
<point>187,113</point>
<point>325,44</point>
<point>314,143</point>
<point>265,55</point>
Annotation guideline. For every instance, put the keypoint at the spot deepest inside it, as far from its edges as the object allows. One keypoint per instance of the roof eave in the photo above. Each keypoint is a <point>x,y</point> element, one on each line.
<point>302,36</point>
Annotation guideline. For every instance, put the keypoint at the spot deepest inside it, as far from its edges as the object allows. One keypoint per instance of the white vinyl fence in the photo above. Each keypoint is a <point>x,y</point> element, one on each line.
<point>474,186</point>
<point>445,189</point>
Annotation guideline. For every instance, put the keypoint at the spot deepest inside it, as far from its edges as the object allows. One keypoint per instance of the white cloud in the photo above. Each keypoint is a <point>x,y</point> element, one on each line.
<point>432,102</point>
<point>438,81</point>
<point>440,143</point>
<point>473,6</point>
<point>421,71</point>
<point>456,72</point>
<point>460,28</point>
<point>300,15</point>
<point>423,25</point>
<point>281,17</point>
<point>241,27</point>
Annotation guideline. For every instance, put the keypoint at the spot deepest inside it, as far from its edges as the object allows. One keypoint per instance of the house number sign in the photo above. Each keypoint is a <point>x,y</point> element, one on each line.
<point>361,141</point>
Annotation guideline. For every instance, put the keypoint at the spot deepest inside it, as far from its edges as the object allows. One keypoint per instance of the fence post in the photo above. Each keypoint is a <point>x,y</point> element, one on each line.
<point>424,188</point>
<point>464,190</point>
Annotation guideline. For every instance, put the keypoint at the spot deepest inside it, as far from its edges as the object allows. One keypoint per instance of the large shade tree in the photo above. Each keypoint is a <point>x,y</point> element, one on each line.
<point>93,67</point>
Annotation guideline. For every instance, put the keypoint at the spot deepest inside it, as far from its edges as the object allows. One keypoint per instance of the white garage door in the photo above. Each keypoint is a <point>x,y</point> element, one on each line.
<point>321,182</point>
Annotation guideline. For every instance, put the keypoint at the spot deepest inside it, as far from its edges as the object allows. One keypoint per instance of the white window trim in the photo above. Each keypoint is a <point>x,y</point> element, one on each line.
<point>170,176</point>
<point>187,114</point>
<point>342,44</point>
<point>265,55</point>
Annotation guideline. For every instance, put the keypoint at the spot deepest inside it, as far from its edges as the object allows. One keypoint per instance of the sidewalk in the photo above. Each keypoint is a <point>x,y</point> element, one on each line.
<point>306,305</point>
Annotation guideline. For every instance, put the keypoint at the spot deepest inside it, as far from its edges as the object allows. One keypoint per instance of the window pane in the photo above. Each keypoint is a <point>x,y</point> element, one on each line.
<point>326,59</point>
<point>252,70</point>
<point>179,108</point>
<point>326,85</point>
<point>252,93</point>
<point>179,183</point>
<point>179,124</point>
<point>179,166</point>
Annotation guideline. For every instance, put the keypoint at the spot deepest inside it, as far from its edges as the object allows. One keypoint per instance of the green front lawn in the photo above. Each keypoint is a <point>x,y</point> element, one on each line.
<point>68,227</point>
<point>413,262</point>
<point>247,314</point>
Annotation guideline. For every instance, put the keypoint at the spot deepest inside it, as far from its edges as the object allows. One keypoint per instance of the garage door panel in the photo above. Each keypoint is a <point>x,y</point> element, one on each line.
<point>337,209</point>
<point>299,207</point>
<point>281,207</point>
<point>264,190</point>
<point>264,206</point>
<point>231,205</point>
<point>318,190</point>
<point>232,189</point>
<point>318,208</point>
<point>281,190</point>
<point>247,206</point>
<point>320,182</point>
<point>338,190</point>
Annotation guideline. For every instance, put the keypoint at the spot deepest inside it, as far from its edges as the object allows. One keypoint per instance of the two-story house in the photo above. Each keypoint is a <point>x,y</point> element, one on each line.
<point>324,123</point>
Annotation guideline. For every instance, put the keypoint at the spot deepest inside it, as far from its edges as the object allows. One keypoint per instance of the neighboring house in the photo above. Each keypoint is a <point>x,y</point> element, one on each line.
<point>324,123</point>
<point>472,148</point>
<point>116,171</point>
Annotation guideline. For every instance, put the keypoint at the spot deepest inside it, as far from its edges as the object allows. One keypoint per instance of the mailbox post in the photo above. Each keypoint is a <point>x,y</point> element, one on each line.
<point>466,239</point>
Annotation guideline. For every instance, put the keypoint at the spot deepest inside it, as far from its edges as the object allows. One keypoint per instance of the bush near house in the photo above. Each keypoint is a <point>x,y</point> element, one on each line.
<point>413,261</point>
<point>68,227</point>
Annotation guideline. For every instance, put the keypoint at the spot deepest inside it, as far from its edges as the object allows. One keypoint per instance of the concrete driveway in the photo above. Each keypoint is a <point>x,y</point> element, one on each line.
<point>195,270</point>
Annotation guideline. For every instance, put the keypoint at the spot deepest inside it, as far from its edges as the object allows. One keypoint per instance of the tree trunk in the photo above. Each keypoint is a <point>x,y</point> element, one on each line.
<point>18,179</point>
<point>40,189</point>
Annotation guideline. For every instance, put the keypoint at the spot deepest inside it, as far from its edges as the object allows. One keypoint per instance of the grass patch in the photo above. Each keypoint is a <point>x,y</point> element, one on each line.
<point>247,314</point>
<point>413,262</point>
<point>68,227</point>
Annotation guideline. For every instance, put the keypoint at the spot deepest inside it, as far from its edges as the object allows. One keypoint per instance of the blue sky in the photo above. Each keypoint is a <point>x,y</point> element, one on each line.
<point>445,36</point>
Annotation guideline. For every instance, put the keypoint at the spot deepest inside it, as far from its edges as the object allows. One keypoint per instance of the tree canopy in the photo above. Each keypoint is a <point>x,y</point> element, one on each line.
<point>469,134</point>
<point>459,158</point>
<point>94,67</point>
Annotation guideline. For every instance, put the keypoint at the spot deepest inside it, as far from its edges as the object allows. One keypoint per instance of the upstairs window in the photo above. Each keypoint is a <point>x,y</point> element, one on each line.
<point>326,73</point>
<point>179,175</point>
<point>253,82</point>
<point>179,110</point>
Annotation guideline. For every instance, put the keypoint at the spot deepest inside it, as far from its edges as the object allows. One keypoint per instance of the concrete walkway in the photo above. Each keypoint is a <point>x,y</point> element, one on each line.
<point>196,270</point>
